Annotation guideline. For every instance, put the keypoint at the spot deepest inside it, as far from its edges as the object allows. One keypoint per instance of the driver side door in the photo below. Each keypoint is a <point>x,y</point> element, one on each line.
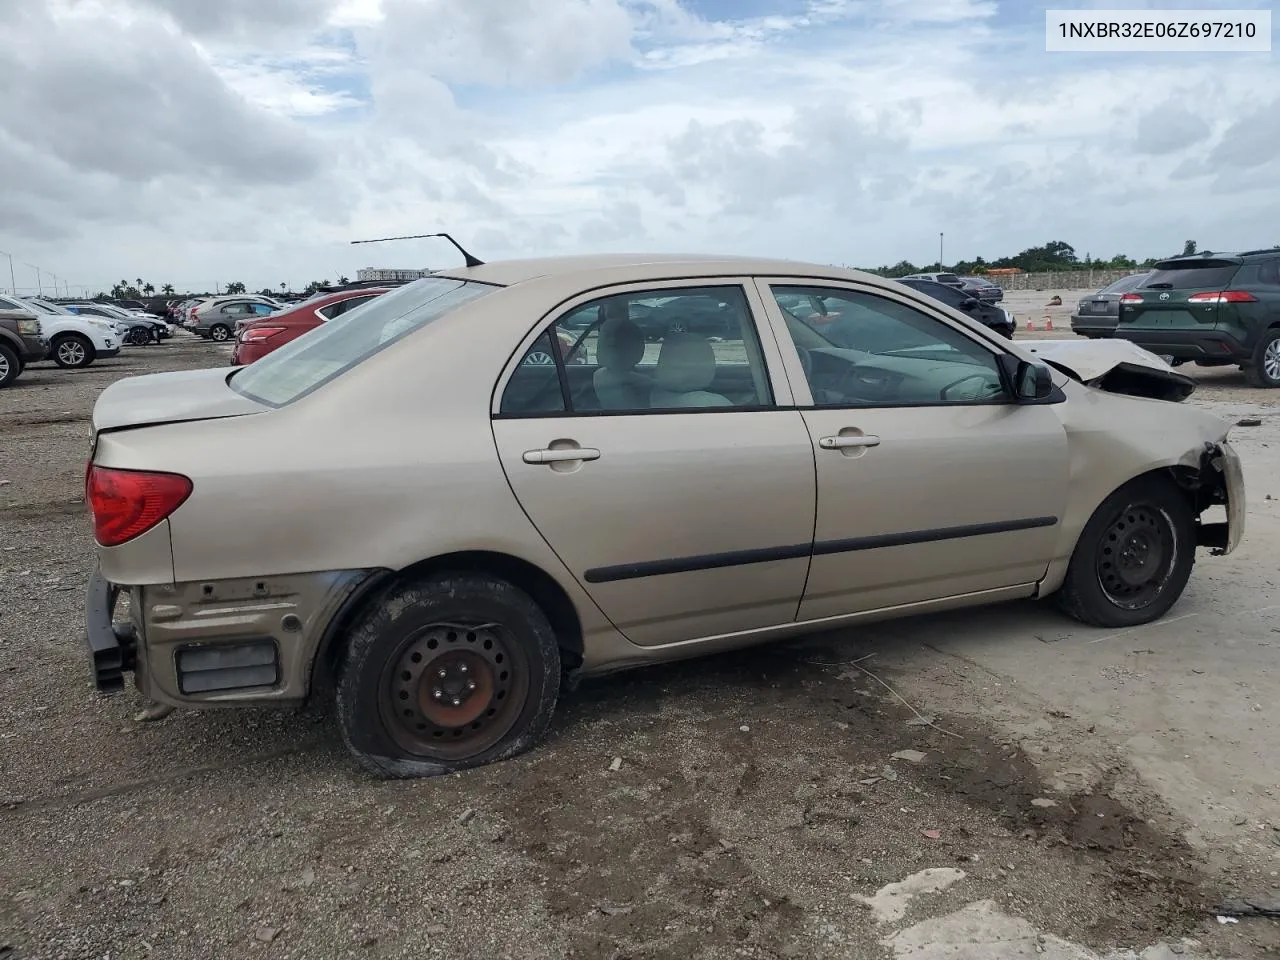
<point>932,481</point>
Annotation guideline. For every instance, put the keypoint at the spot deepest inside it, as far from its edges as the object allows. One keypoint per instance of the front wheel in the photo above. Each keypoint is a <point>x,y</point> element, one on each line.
<point>1264,369</point>
<point>451,672</point>
<point>73,351</point>
<point>1133,558</point>
<point>139,337</point>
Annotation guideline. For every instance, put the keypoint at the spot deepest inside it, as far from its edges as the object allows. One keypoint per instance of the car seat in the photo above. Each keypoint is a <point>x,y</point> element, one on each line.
<point>686,367</point>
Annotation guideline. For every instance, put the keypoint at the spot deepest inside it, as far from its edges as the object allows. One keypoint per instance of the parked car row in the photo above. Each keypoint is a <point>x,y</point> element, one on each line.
<point>978,287</point>
<point>1213,309</point>
<point>71,335</point>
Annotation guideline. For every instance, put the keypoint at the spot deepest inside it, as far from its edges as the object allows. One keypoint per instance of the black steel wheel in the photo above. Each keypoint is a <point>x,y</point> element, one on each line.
<point>451,672</point>
<point>1133,558</point>
<point>139,336</point>
<point>453,690</point>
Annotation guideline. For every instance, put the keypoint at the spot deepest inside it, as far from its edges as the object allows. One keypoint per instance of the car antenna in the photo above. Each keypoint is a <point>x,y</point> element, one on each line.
<point>467,257</point>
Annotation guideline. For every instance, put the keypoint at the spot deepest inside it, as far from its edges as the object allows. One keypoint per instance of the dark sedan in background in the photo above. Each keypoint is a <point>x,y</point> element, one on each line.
<point>985,312</point>
<point>1097,314</point>
<point>982,288</point>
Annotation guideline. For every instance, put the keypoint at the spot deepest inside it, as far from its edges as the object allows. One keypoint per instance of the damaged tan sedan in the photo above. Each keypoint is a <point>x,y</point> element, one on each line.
<point>424,508</point>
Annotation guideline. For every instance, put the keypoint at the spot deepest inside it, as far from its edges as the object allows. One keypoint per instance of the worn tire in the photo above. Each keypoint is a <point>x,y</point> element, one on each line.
<point>1255,373</point>
<point>1083,596</point>
<point>64,354</point>
<point>10,366</point>
<point>402,613</point>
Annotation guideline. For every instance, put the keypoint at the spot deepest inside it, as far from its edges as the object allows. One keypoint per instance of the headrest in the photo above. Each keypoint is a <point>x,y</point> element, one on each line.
<point>686,363</point>
<point>621,345</point>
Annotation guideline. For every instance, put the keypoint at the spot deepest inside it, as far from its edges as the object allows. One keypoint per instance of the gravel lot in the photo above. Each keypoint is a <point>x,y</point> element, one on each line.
<point>756,801</point>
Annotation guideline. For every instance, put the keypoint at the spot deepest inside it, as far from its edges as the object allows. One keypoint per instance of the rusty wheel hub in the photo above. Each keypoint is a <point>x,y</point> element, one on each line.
<point>454,690</point>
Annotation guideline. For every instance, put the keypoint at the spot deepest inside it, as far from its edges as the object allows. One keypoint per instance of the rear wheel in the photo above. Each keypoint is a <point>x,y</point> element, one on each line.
<point>9,366</point>
<point>220,332</point>
<point>73,350</point>
<point>1133,558</point>
<point>1264,369</point>
<point>451,672</point>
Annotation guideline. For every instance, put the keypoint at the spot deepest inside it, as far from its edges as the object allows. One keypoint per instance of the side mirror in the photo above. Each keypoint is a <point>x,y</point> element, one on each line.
<point>968,303</point>
<point>1031,381</point>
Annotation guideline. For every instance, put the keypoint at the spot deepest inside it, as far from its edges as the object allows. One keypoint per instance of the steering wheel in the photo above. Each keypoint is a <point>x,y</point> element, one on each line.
<point>869,383</point>
<point>942,394</point>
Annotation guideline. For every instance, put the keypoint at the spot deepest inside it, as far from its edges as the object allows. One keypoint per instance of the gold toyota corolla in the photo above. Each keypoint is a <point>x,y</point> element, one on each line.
<point>422,505</point>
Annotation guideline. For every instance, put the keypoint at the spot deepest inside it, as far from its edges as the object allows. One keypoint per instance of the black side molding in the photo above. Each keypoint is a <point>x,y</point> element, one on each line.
<point>706,561</point>
<point>714,561</point>
<point>824,547</point>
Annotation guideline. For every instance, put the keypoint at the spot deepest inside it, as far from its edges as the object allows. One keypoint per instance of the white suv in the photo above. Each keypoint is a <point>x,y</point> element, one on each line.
<point>74,341</point>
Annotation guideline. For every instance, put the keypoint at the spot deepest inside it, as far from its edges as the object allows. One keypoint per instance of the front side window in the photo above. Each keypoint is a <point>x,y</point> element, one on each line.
<point>309,362</point>
<point>671,350</point>
<point>879,352</point>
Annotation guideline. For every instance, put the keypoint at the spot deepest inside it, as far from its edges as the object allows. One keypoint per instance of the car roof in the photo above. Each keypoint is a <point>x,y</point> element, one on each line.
<point>598,267</point>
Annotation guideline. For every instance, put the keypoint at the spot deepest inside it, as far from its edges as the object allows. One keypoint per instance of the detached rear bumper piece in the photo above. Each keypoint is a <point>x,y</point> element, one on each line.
<point>112,647</point>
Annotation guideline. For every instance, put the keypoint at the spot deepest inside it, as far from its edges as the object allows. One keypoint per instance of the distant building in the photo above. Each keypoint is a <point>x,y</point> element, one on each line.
<point>385,273</point>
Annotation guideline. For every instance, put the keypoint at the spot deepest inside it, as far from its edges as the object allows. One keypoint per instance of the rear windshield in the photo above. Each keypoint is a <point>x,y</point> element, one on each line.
<point>1209,277</point>
<point>1125,284</point>
<point>311,361</point>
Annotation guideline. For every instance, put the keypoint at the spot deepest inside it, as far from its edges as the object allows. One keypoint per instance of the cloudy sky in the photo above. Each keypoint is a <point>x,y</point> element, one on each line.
<point>201,141</point>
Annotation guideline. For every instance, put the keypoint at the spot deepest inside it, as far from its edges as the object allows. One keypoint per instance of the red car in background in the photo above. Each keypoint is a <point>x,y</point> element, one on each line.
<point>259,337</point>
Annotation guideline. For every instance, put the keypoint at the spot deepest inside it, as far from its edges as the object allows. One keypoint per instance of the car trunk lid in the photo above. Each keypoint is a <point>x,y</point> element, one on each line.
<point>176,397</point>
<point>1174,297</point>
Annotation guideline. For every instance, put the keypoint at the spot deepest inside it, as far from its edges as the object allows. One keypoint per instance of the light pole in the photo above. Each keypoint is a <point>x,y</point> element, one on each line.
<point>13,284</point>
<point>939,249</point>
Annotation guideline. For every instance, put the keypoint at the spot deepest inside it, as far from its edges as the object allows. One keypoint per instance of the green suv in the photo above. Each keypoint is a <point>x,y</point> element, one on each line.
<point>1216,309</point>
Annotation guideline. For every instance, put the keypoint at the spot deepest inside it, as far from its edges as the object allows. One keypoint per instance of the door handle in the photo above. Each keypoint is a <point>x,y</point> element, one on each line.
<point>562,455</point>
<point>844,443</point>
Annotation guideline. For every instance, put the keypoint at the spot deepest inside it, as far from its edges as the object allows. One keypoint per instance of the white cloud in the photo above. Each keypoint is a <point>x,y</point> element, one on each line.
<point>253,139</point>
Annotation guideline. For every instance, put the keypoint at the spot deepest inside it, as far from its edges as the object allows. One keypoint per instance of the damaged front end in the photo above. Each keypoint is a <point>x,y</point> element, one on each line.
<point>1114,366</point>
<point>1216,480</point>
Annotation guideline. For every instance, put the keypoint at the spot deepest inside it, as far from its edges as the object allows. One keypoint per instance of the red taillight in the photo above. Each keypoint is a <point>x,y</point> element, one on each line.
<point>1222,296</point>
<point>258,334</point>
<point>127,503</point>
<point>1131,298</point>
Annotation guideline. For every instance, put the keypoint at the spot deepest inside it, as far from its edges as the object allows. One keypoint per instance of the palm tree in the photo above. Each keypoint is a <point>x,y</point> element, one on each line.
<point>343,281</point>
<point>167,289</point>
<point>236,287</point>
<point>148,289</point>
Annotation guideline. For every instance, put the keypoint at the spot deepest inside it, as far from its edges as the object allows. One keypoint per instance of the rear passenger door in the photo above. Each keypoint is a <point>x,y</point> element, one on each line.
<point>664,468</point>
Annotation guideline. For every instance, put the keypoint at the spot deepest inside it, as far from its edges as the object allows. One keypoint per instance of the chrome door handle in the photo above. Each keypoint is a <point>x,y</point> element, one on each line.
<point>844,443</point>
<point>562,455</point>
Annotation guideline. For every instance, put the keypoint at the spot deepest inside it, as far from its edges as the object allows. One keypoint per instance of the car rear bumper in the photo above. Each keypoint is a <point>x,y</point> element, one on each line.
<point>1185,344</point>
<point>1091,323</point>
<point>249,353</point>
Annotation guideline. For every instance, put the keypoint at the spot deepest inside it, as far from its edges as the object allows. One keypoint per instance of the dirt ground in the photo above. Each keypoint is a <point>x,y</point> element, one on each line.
<point>1072,793</point>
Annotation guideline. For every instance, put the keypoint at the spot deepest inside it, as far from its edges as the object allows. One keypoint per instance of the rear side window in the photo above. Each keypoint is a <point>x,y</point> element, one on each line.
<point>1212,276</point>
<point>308,363</point>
